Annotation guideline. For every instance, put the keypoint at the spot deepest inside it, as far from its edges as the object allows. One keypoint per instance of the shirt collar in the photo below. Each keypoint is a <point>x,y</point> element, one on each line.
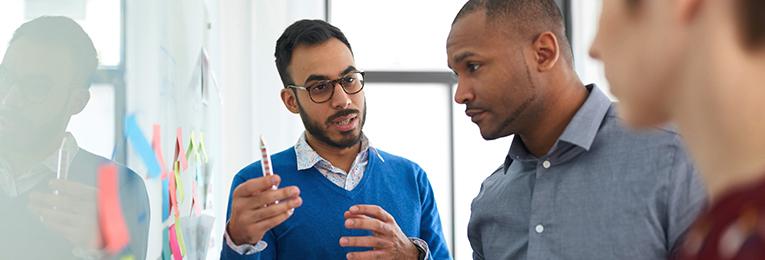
<point>68,150</point>
<point>584,126</point>
<point>580,131</point>
<point>307,156</point>
<point>14,185</point>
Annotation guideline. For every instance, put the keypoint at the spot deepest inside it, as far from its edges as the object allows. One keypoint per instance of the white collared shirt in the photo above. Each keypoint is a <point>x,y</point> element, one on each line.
<point>15,185</point>
<point>307,158</point>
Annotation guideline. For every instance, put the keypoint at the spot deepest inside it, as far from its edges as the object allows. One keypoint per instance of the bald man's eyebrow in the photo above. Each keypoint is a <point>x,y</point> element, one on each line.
<point>462,56</point>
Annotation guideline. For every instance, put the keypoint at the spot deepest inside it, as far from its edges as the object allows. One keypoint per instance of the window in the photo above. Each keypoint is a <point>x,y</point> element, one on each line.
<point>94,127</point>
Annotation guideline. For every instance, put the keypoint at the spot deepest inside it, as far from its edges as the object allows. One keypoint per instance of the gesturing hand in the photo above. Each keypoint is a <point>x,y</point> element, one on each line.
<point>254,209</point>
<point>387,239</point>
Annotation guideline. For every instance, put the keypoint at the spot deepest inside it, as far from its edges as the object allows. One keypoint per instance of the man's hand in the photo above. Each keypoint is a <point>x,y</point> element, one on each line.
<point>254,208</point>
<point>387,239</point>
<point>70,210</point>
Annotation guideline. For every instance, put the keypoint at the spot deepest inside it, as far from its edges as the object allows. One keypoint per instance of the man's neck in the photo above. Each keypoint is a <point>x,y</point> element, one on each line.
<point>556,115</point>
<point>21,160</point>
<point>720,113</point>
<point>339,157</point>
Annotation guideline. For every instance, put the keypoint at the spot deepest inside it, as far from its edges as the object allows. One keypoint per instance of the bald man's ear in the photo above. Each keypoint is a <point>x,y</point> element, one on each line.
<point>78,100</point>
<point>547,51</point>
<point>289,99</point>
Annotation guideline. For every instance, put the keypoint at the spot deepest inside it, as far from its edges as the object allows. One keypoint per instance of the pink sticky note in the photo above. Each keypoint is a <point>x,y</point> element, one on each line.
<point>174,247</point>
<point>156,144</point>
<point>180,154</point>
<point>114,232</point>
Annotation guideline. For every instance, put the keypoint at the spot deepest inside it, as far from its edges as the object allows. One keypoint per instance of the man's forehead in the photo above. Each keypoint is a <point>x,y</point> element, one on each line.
<point>469,29</point>
<point>34,58</point>
<point>327,59</point>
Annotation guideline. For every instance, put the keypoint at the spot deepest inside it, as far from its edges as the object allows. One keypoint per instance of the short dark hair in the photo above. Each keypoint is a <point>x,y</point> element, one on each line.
<point>303,32</point>
<point>528,17</point>
<point>60,31</point>
<point>752,22</point>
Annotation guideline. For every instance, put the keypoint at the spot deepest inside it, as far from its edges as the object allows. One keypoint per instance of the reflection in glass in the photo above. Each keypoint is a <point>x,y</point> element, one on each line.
<point>47,181</point>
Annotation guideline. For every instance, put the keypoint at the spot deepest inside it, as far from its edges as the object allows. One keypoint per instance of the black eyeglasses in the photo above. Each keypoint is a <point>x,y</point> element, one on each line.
<point>322,91</point>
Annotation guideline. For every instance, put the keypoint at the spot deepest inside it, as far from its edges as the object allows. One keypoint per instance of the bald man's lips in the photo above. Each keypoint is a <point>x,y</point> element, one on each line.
<point>475,114</point>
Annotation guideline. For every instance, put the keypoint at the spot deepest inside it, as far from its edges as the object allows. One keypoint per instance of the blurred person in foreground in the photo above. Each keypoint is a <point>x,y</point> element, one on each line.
<point>701,64</point>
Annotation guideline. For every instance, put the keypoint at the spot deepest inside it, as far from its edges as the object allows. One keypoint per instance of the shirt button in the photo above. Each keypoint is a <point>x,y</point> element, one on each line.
<point>546,164</point>
<point>539,229</point>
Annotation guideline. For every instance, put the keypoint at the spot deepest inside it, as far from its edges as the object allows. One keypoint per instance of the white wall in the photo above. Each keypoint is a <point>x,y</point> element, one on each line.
<point>584,19</point>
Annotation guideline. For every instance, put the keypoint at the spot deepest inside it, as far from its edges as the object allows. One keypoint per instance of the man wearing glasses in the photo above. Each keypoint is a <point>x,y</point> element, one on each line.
<point>355,201</point>
<point>48,184</point>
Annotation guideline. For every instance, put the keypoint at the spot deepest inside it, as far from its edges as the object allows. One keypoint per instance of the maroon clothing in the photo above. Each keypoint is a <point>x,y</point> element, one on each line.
<point>733,228</point>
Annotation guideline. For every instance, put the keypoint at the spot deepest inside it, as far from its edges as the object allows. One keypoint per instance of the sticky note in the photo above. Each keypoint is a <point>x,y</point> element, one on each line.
<point>114,232</point>
<point>179,233</point>
<point>141,146</point>
<point>201,146</point>
<point>191,150</point>
<point>128,257</point>
<point>173,203</point>
<point>165,199</point>
<point>178,181</point>
<point>156,145</point>
<point>165,244</point>
<point>180,155</point>
<point>174,247</point>
<point>195,198</point>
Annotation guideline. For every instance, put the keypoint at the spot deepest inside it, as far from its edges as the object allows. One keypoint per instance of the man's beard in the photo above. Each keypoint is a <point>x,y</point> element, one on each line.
<point>349,138</point>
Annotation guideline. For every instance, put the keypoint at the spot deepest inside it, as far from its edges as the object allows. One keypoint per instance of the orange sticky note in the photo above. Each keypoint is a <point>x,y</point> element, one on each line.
<point>180,154</point>
<point>174,247</point>
<point>156,145</point>
<point>114,232</point>
<point>172,192</point>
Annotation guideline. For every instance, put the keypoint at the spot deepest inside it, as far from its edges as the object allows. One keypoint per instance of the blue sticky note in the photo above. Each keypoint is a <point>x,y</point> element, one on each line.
<point>165,245</point>
<point>165,200</point>
<point>141,146</point>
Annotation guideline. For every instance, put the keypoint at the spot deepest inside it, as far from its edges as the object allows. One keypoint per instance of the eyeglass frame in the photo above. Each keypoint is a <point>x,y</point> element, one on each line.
<point>333,83</point>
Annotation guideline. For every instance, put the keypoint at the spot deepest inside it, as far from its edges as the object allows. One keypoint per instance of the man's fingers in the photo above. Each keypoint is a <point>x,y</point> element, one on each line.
<point>256,185</point>
<point>73,189</point>
<point>268,197</point>
<point>372,254</point>
<point>276,209</point>
<point>370,224</point>
<point>270,223</point>
<point>373,211</point>
<point>366,241</point>
<point>348,215</point>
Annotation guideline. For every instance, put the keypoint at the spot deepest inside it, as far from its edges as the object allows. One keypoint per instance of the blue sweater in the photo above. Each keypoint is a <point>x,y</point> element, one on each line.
<point>396,184</point>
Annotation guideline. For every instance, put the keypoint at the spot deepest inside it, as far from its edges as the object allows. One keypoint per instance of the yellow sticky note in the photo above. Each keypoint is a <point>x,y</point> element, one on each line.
<point>202,145</point>
<point>179,233</point>
<point>178,181</point>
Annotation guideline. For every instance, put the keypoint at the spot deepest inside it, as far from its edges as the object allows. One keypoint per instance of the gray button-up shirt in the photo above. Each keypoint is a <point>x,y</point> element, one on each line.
<point>602,192</point>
